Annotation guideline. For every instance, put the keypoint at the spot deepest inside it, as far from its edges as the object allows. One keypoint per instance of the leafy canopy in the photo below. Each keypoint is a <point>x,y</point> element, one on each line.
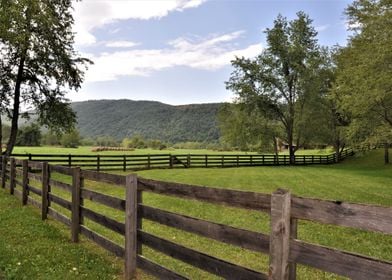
<point>38,62</point>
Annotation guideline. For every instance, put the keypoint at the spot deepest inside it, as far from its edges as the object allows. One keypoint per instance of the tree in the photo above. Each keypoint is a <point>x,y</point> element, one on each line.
<point>38,62</point>
<point>363,84</point>
<point>71,139</point>
<point>280,81</point>
<point>50,138</point>
<point>29,135</point>
<point>247,129</point>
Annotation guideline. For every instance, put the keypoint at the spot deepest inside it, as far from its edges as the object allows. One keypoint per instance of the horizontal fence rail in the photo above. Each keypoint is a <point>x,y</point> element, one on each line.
<point>285,250</point>
<point>151,161</point>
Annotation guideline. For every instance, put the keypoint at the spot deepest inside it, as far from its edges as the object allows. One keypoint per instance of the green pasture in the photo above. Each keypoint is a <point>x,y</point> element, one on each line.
<point>362,179</point>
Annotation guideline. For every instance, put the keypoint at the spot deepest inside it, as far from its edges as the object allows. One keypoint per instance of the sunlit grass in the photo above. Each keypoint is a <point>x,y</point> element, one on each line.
<point>364,179</point>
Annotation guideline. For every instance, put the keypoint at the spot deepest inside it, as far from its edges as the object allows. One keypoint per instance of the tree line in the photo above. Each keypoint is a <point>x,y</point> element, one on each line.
<point>302,93</point>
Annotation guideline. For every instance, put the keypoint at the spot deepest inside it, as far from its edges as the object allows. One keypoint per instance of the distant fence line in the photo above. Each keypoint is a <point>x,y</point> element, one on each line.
<point>282,245</point>
<point>153,161</point>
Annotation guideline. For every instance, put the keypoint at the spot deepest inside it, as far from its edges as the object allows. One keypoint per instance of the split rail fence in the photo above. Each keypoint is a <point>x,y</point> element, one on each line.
<point>135,162</point>
<point>282,245</point>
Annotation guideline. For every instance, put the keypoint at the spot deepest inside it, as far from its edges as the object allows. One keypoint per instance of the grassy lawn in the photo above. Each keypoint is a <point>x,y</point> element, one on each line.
<point>363,179</point>
<point>32,249</point>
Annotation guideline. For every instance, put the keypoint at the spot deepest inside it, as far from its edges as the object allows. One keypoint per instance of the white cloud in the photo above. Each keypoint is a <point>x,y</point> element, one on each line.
<point>90,14</point>
<point>121,44</point>
<point>321,28</point>
<point>207,54</point>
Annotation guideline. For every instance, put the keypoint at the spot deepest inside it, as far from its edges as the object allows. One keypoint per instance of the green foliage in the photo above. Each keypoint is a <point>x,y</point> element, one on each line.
<point>71,139</point>
<point>247,129</point>
<point>151,120</point>
<point>38,62</point>
<point>283,79</point>
<point>363,84</point>
<point>29,136</point>
<point>51,139</point>
<point>107,141</point>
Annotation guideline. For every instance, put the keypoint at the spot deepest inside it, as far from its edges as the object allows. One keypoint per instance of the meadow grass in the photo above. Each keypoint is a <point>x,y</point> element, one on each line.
<point>33,249</point>
<point>363,179</point>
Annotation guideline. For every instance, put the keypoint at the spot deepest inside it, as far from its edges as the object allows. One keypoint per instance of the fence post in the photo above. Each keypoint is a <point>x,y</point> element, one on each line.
<point>206,160</point>
<point>171,161</point>
<point>12,175</point>
<point>25,181</point>
<point>130,226</point>
<point>75,220</point>
<point>125,163</point>
<point>69,160</point>
<point>3,170</point>
<point>222,161</point>
<point>280,235</point>
<point>251,160</point>
<point>45,190</point>
<point>188,160</point>
<point>148,162</point>
<point>98,163</point>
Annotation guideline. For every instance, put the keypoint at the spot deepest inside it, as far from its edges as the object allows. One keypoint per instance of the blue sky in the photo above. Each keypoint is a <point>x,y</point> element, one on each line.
<point>179,51</point>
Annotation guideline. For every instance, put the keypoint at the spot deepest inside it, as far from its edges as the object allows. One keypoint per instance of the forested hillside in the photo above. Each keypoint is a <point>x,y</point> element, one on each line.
<point>150,119</point>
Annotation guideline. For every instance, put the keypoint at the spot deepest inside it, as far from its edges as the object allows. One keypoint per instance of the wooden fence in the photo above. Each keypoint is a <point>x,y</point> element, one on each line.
<point>282,245</point>
<point>135,162</point>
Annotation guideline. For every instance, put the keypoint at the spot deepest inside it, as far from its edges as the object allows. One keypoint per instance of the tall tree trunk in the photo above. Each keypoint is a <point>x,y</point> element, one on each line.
<point>15,112</point>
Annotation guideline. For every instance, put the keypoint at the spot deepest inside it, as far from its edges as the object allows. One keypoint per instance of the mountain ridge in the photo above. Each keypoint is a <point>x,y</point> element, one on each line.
<point>122,118</point>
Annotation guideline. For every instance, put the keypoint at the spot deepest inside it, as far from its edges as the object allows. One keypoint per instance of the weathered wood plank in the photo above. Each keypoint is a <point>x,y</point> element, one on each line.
<point>12,175</point>
<point>130,226</point>
<point>61,185</point>
<point>239,237</point>
<point>60,169</point>
<point>139,222</point>
<point>366,217</point>
<point>35,177</point>
<point>103,220</point>
<point>59,217</point>
<point>33,202</point>
<point>25,182</point>
<point>342,263</point>
<point>75,220</point>
<point>198,259</point>
<point>157,270</point>
<point>45,190</point>
<point>102,241</point>
<point>293,235</point>
<point>35,190</point>
<point>280,235</point>
<point>18,183</point>
<point>60,201</point>
<point>104,177</point>
<point>104,199</point>
<point>19,172</point>
<point>35,164</point>
<point>242,199</point>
